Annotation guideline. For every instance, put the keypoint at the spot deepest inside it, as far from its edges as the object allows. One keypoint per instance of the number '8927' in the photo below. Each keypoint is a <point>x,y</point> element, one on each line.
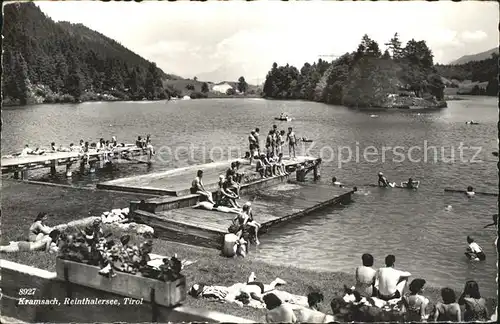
<point>27,291</point>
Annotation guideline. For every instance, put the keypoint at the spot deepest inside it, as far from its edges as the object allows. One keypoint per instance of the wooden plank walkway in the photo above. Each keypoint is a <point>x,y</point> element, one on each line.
<point>209,227</point>
<point>177,182</point>
<point>23,163</point>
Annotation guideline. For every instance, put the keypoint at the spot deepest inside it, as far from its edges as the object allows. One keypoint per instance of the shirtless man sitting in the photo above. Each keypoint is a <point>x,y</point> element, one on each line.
<point>390,282</point>
<point>198,188</point>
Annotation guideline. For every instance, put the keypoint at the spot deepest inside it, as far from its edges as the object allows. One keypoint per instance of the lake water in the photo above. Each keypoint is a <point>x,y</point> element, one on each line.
<point>413,225</point>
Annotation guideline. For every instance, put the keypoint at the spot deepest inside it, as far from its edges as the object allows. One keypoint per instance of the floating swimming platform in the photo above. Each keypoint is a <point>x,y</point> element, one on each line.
<point>476,192</point>
<point>391,185</point>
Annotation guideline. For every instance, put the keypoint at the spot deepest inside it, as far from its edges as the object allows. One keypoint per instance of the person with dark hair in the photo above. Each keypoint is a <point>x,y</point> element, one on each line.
<point>38,230</point>
<point>278,312</point>
<point>414,303</point>
<point>263,169</point>
<point>448,310</point>
<point>474,251</point>
<point>313,314</point>
<point>470,192</point>
<point>257,140</point>
<point>365,276</point>
<point>475,305</point>
<point>47,243</point>
<point>198,188</point>
<point>390,282</point>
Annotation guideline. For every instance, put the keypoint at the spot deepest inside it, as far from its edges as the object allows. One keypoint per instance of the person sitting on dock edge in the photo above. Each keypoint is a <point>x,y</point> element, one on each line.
<point>198,188</point>
<point>261,167</point>
<point>225,197</point>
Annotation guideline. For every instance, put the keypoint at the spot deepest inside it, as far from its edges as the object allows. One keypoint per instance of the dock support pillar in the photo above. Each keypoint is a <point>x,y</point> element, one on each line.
<point>301,174</point>
<point>68,170</point>
<point>317,174</point>
<point>53,170</point>
<point>16,175</point>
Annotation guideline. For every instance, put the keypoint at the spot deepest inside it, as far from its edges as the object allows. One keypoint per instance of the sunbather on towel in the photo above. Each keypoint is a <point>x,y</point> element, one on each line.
<point>239,293</point>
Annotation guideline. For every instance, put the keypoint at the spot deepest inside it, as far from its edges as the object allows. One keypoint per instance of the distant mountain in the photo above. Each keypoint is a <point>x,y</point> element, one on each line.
<point>47,61</point>
<point>475,57</point>
<point>231,72</point>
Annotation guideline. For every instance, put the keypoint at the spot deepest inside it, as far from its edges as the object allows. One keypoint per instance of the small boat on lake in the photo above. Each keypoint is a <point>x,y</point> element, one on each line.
<point>471,122</point>
<point>283,117</point>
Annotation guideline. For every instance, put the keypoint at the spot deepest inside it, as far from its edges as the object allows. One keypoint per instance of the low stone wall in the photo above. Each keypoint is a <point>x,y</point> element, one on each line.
<point>46,286</point>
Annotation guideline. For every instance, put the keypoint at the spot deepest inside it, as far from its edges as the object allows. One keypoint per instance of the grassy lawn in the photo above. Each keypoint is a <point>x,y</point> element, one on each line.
<point>21,202</point>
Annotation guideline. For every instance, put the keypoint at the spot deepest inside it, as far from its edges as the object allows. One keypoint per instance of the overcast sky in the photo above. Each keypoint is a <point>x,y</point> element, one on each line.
<point>223,40</point>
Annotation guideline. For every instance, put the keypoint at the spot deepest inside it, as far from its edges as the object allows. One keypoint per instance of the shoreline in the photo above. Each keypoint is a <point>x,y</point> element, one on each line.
<point>213,269</point>
<point>17,105</point>
<point>210,267</point>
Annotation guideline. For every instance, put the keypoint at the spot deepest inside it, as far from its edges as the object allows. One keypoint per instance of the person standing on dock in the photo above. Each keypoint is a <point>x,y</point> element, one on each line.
<point>197,187</point>
<point>253,146</point>
<point>292,141</point>
<point>257,140</point>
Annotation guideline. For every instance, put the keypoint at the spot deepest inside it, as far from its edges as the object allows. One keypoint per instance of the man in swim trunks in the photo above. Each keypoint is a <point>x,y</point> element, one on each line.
<point>292,141</point>
<point>390,282</point>
<point>382,180</point>
<point>253,146</point>
<point>257,140</point>
<point>475,249</point>
<point>198,188</point>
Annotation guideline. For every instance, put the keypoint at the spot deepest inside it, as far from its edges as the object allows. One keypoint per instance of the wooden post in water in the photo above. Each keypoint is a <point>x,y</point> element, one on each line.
<point>301,174</point>
<point>317,174</point>
<point>68,170</point>
<point>53,165</point>
<point>16,175</point>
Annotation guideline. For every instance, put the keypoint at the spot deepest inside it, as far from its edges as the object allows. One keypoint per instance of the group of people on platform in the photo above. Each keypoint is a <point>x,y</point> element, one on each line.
<point>84,147</point>
<point>274,143</point>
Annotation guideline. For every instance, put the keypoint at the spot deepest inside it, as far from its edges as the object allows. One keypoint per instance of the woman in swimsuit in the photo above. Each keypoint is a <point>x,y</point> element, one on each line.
<point>48,243</point>
<point>448,310</point>
<point>415,303</point>
<point>365,276</point>
<point>38,230</point>
<point>475,305</point>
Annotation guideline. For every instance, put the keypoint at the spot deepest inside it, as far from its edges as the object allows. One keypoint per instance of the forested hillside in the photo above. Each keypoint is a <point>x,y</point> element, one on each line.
<point>400,77</point>
<point>45,61</point>
<point>475,71</point>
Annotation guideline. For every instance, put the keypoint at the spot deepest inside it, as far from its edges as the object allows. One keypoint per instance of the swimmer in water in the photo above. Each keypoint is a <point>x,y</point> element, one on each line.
<point>411,184</point>
<point>495,221</point>
<point>470,191</point>
<point>382,180</point>
<point>474,250</point>
<point>336,183</point>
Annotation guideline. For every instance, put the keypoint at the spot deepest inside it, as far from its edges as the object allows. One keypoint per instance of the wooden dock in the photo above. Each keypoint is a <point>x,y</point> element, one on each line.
<point>177,182</point>
<point>271,208</point>
<point>20,165</point>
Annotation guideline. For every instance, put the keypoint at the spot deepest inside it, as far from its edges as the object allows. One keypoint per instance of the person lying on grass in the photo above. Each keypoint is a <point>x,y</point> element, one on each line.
<point>48,243</point>
<point>250,293</point>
